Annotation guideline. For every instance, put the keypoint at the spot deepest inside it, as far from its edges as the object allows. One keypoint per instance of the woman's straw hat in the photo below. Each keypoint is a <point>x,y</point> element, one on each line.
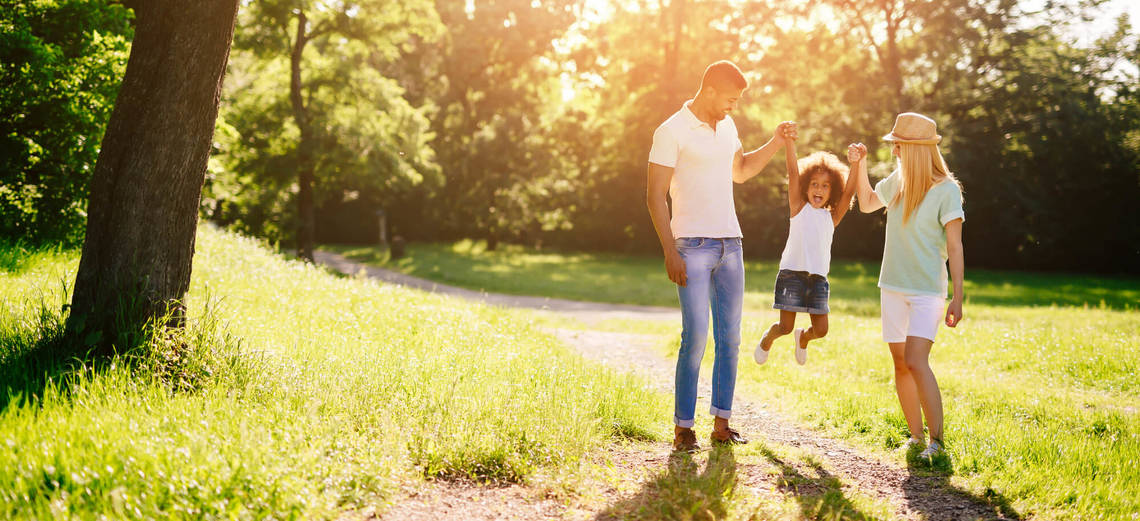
<point>915,129</point>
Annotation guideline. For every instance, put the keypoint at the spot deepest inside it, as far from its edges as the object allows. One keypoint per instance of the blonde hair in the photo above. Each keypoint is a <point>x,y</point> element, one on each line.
<point>922,168</point>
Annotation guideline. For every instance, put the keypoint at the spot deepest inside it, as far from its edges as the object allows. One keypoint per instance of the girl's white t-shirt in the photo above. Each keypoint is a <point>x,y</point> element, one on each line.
<point>809,241</point>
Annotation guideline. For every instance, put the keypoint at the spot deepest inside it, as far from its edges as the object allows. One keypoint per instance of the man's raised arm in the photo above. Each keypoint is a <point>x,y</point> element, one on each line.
<point>748,165</point>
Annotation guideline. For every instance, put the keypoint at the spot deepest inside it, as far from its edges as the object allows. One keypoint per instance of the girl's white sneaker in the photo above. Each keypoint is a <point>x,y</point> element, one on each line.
<point>801,352</point>
<point>760,355</point>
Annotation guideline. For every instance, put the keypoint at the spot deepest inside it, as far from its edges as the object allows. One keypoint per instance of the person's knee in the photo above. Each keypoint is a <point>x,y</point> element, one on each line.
<point>914,364</point>
<point>786,328</point>
<point>819,331</point>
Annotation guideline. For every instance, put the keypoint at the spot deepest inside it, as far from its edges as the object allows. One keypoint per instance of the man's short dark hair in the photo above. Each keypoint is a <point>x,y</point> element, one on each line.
<point>723,74</point>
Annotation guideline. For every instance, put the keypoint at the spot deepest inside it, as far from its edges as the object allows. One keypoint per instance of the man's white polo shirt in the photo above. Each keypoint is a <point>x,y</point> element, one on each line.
<point>701,159</point>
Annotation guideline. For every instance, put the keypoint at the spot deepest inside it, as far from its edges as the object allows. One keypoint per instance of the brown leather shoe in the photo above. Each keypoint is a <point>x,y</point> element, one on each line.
<point>729,437</point>
<point>685,441</point>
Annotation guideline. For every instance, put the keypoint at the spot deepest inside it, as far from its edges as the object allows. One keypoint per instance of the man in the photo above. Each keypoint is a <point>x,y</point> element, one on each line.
<point>695,158</point>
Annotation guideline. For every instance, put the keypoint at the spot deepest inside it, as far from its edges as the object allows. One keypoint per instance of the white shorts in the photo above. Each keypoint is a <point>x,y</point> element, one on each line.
<point>910,315</point>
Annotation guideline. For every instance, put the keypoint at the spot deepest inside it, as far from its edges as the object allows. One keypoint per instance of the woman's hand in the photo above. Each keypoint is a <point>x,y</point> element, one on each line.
<point>954,312</point>
<point>856,152</point>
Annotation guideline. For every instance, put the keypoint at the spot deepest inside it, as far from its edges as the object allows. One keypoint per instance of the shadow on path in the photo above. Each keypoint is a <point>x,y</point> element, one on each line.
<point>926,487</point>
<point>683,490</point>
<point>818,492</point>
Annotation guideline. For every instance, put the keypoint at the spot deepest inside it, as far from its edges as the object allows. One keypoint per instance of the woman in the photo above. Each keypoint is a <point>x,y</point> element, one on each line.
<point>924,231</point>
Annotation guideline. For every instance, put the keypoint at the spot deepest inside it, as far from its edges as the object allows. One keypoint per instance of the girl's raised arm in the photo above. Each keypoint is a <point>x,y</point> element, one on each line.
<point>795,199</point>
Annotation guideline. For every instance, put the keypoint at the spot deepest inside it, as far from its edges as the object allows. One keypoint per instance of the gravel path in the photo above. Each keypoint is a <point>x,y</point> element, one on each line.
<point>918,495</point>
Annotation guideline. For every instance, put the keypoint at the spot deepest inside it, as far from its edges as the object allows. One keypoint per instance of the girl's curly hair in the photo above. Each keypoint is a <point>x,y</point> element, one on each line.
<point>823,163</point>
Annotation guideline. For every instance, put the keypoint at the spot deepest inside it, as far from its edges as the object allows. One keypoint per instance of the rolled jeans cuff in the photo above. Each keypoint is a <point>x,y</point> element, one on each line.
<point>684,424</point>
<point>720,413</point>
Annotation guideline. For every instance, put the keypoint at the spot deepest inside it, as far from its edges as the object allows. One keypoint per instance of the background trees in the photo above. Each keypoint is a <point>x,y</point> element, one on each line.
<point>60,66</point>
<point>530,120</point>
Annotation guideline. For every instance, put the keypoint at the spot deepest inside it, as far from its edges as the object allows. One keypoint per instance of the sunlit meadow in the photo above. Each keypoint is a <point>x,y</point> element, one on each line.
<point>327,394</point>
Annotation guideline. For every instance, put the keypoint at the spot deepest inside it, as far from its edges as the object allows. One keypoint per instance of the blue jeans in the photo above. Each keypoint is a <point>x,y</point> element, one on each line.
<point>715,272</point>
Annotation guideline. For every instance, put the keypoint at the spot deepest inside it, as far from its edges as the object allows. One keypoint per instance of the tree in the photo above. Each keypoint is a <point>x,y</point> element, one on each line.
<point>331,46</point>
<point>143,207</point>
<point>496,96</point>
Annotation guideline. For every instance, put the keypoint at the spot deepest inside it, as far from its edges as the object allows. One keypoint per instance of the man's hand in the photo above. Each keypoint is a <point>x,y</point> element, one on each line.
<point>785,131</point>
<point>954,312</point>
<point>856,152</point>
<point>675,265</point>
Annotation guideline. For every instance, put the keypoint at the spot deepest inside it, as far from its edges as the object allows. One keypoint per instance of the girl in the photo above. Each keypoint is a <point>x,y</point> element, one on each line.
<point>817,201</point>
<point>924,230</point>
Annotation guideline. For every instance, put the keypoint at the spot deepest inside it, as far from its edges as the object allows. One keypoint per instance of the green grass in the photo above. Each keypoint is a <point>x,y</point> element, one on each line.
<point>18,256</point>
<point>343,390</point>
<point>1039,381</point>
<point>630,279</point>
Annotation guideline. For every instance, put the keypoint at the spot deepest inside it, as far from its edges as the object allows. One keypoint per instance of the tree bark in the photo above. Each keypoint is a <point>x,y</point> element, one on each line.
<point>306,226</point>
<point>147,184</point>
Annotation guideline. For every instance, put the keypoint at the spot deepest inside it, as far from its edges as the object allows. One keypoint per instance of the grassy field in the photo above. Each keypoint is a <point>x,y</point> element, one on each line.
<point>318,395</point>
<point>1039,381</point>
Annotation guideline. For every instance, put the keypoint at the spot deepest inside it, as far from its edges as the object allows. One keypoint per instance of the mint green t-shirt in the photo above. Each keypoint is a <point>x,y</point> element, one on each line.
<point>914,255</point>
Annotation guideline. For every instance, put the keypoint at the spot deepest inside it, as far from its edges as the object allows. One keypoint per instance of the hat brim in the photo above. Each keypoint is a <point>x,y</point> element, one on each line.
<point>932,141</point>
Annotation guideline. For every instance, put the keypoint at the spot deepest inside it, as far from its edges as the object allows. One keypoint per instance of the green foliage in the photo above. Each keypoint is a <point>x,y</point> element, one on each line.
<point>367,138</point>
<point>1051,154</point>
<point>345,391</point>
<point>530,121</point>
<point>61,62</point>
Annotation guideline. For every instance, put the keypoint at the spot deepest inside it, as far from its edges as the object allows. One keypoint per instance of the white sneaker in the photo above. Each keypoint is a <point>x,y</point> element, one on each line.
<point>912,443</point>
<point>760,355</point>
<point>801,352</point>
<point>932,451</point>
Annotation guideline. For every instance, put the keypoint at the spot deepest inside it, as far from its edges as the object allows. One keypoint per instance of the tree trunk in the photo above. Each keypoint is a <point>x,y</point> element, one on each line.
<point>147,185</point>
<point>306,226</point>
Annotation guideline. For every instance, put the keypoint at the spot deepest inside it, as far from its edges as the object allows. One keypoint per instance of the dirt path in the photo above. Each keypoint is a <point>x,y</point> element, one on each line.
<point>587,312</point>
<point>909,495</point>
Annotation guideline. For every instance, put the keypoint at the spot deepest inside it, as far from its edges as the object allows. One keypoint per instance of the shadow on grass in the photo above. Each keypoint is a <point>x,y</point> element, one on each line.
<point>928,490</point>
<point>684,491</point>
<point>40,354</point>
<point>34,353</point>
<point>820,496</point>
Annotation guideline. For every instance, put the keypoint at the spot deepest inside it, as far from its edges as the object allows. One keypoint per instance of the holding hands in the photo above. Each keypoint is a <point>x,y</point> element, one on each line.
<point>784,132</point>
<point>856,152</point>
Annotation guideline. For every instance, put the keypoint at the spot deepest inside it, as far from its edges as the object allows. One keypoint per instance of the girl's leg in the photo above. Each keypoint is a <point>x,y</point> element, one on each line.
<point>785,326</point>
<point>917,358</point>
<point>818,329</point>
<point>907,390</point>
